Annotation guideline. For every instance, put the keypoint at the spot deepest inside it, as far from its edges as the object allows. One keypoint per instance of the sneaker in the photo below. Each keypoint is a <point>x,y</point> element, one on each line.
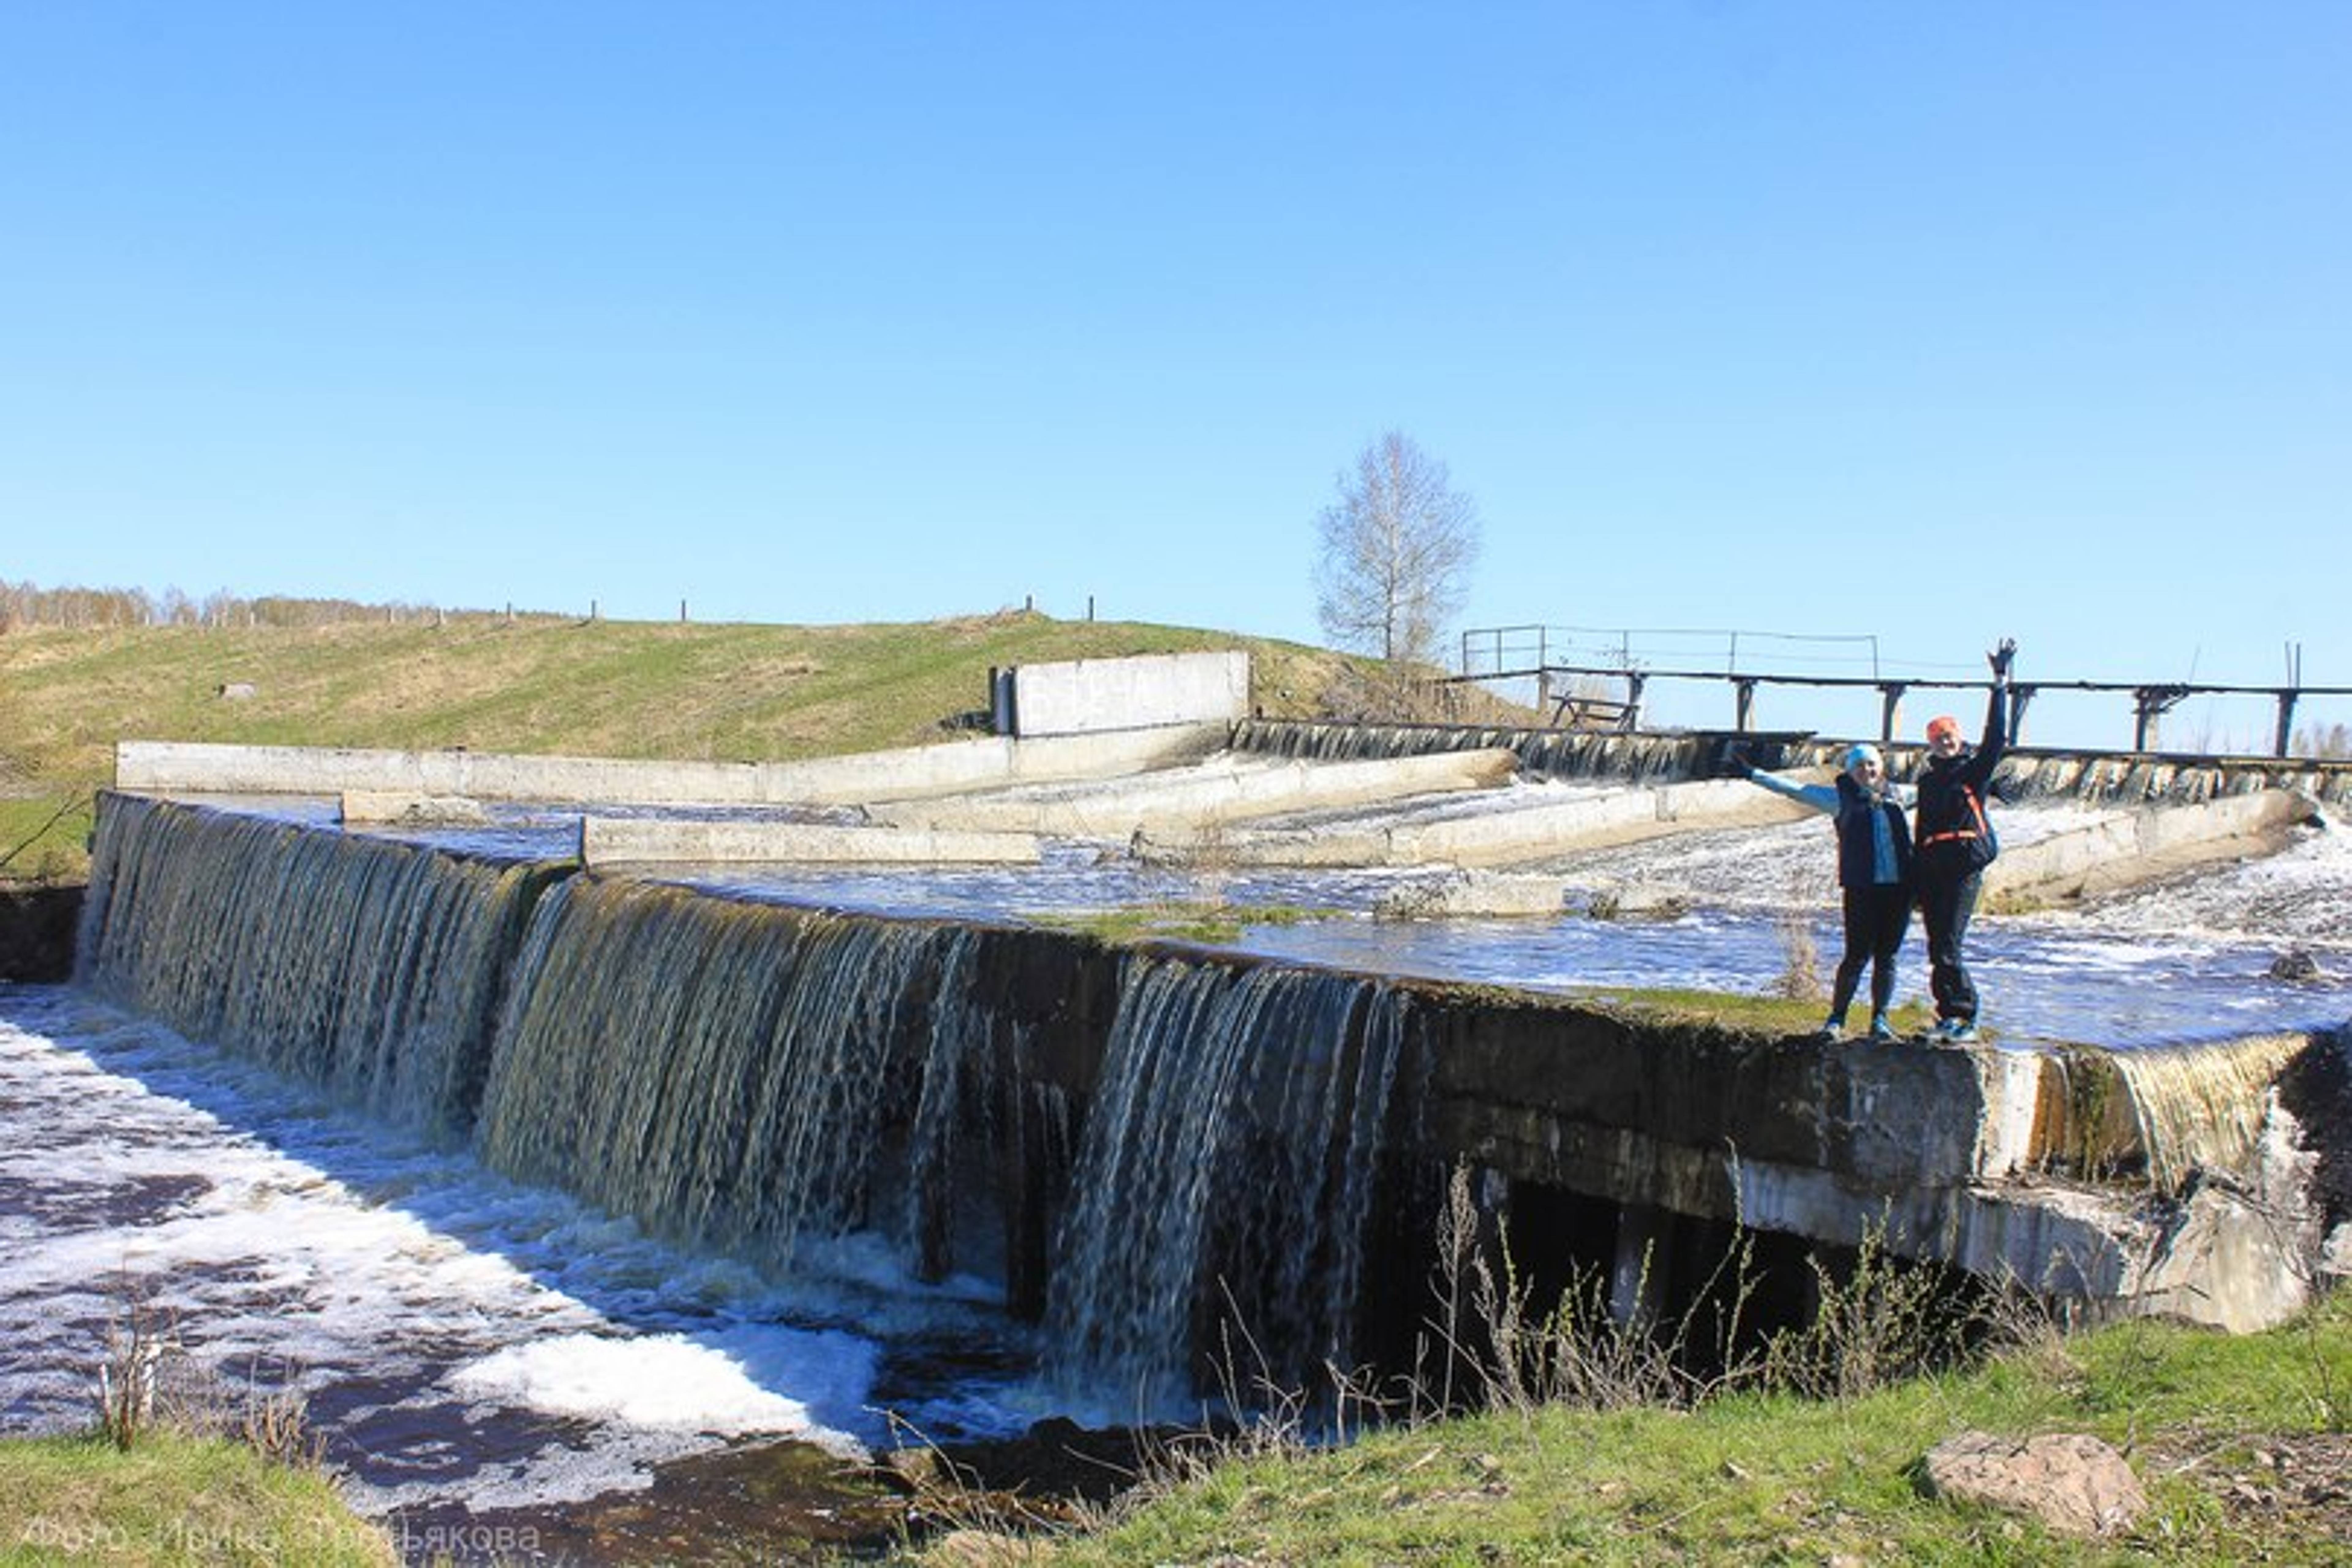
<point>1831,1029</point>
<point>1880,1029</point>
<point>1956,1031</point>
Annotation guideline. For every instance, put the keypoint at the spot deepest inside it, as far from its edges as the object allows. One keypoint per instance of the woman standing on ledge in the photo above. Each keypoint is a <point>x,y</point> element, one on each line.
<point>1873,869</point>
<point>1956,843</point>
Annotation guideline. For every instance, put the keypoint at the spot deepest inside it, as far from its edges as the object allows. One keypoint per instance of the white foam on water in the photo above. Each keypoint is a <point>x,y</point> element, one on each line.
<point>461,1338</point>
<point>669,1382</point>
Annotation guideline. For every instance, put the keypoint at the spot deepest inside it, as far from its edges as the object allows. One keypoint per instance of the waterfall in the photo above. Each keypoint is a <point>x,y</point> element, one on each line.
<point>2091,778</point>
<point>1225,1176</point>
<point>741,1074</point>
<point>1542,754</point>
<point>369,967</point>
<point>1146,1147</point>
<point>2203,1105</point>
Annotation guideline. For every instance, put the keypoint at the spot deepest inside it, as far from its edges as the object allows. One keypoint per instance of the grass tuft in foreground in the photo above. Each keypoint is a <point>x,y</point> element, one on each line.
<point>173,1498</point>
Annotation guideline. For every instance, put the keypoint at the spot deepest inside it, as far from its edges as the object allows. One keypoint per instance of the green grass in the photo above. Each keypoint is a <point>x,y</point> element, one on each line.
<point>1767,1015</point>
<point>534,684</point>
<point>1203,922</point>
<point>1752,1478</point>
<point>172,1499</point>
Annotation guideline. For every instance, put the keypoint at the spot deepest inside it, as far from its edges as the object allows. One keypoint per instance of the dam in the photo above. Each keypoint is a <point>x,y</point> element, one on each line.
<point>1067,1165</point>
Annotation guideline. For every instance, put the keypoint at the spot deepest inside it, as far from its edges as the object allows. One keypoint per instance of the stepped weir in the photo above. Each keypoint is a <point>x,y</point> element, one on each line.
<point>1148,1148</point>
<point>2031,774</point>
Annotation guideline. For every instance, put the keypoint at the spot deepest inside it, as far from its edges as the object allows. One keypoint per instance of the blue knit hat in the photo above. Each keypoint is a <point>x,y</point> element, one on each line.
<point>1864,751</point>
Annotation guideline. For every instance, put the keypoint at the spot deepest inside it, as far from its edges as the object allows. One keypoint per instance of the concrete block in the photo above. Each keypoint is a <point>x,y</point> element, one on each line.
<point>605,840</point>
<point>1091,696</point>
<point>394,808</point>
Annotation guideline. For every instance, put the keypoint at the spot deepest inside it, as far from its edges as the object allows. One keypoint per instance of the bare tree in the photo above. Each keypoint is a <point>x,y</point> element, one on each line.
<point>1396,547</point>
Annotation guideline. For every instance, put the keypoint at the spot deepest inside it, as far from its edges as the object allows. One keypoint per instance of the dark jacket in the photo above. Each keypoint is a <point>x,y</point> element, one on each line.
<point>1849,809</point>
<point>1857,851</point>
<point>1954,835</point>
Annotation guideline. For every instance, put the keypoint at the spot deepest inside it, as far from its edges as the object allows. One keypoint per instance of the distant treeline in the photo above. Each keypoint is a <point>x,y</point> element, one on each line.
<point>23,604</point>
<point>2330,743</point>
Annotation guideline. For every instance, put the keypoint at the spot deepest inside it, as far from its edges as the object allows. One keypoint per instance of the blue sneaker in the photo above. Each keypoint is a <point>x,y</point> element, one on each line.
<point>1956,1031</point>
<point>1881,1031</point>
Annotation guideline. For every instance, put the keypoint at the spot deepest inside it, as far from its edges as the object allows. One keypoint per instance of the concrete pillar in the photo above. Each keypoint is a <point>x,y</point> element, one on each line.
<point>1744,704</point>
<point>2020,697</point>
<point>2151,703</point>
<point>1890,709</point>
<point>2286,723</point>
<point>1634,680</point>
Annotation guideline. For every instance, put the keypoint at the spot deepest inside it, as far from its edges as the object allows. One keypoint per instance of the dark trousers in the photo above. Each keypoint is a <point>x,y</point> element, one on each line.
<point>1876,917</point>
<point>1946,902</point>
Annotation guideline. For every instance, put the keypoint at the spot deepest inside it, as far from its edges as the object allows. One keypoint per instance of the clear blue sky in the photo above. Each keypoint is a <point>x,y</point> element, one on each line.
<point>1934,322</point>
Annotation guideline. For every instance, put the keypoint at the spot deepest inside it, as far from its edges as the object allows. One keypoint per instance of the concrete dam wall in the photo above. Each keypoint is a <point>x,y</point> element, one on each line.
<point>1137,1146</point>
<point>2030,772</point>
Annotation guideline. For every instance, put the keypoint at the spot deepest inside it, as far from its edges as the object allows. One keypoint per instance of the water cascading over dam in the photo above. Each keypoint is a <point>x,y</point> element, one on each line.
<point>1658,757</point>
<point>1228,1168</point>
<point>1136,1146</point>
<point>362,966</point>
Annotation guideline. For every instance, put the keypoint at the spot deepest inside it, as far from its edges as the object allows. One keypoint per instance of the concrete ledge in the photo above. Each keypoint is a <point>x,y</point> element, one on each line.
<point>1476,894</point>
<point>2130,848</point>
<point>605,840</point>
<point>1533,833</point>
<point>190,767</point>
<point>412,810</point>
<point>1223,790</point>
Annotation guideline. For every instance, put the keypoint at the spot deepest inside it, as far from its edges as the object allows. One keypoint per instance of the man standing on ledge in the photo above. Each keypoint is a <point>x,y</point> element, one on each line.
<point>1954,843</point>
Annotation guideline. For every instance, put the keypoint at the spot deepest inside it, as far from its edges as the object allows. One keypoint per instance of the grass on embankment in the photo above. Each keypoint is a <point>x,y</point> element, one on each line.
<point>534,684</point>
<point>2239,1441</point>
<point>174,1499</point>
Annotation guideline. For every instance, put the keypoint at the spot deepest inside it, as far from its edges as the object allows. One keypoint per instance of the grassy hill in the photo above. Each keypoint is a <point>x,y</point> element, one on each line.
<point>534,684</point>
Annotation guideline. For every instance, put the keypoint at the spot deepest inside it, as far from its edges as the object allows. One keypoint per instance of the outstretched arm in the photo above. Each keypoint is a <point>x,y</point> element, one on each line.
<point>1820,797</point>
<point>1995,743</point>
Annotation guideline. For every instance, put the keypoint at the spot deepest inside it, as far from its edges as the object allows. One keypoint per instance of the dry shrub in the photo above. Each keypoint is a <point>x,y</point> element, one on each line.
<point>1499,1351</point>
<point>1878,1323</point>
<point>1800,961</point>
<point>147,1383</point>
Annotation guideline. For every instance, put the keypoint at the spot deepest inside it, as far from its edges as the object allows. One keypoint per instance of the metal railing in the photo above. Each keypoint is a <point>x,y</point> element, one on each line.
<point>1564,662</point>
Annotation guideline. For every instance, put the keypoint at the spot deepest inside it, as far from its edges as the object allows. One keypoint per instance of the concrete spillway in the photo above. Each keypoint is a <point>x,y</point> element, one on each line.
<point>2127,779</point>
<point>1138,1143</point>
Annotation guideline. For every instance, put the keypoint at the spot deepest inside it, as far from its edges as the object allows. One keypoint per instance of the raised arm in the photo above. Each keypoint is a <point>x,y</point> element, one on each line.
<point>1995,744</point>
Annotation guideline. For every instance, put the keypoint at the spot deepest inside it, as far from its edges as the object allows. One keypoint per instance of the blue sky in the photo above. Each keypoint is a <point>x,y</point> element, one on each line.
<point>1930,322</point>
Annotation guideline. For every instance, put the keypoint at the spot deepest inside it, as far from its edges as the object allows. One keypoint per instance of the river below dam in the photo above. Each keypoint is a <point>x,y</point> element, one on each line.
<point>464,1341</point>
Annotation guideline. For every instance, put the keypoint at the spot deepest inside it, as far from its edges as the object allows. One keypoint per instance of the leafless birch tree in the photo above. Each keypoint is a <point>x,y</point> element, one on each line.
<point>1396,550</point>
